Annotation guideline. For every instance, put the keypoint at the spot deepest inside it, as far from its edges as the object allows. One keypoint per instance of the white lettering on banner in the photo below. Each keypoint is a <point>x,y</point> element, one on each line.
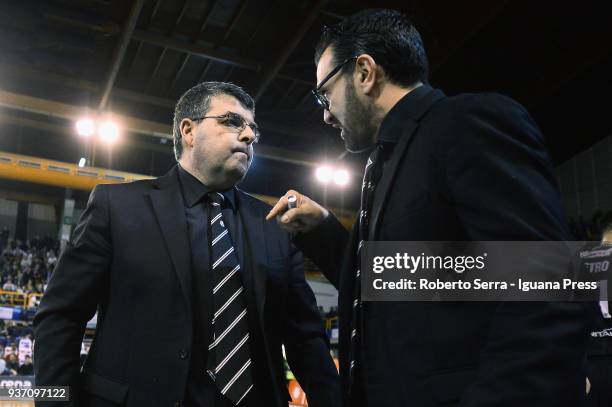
<point>598,266</point>
<point>606,333</point>
<point>16,383</point>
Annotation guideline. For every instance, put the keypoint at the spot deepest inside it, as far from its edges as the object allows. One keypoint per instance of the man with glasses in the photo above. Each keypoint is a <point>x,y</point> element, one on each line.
<point>469,167</point>
<point>196,293</point>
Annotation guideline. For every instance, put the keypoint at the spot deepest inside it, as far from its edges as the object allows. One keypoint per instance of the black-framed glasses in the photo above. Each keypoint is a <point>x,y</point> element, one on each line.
<point>322,99</point>
<point>234,121</point>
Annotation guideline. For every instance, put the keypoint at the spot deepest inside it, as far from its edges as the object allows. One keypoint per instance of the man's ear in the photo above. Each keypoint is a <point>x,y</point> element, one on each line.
<point>367,73</point>
<point>187,128</point>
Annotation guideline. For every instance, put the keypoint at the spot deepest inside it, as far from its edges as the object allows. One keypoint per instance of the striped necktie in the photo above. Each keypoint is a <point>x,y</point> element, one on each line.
<point>371,176</point>
<point>229,350</point>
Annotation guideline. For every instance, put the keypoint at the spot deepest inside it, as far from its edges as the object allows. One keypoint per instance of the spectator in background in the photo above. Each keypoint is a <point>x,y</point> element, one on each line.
<point>9,286</point>
<point>3,370</point>
<point>4,235</point>
<point>26,260</point>
<point>12,362</point>
<point>27,368</point>
<point>22,263</point>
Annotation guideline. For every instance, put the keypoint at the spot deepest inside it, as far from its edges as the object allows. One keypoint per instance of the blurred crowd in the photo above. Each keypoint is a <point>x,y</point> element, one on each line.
<point>25,266</point>
<point>16,346</point>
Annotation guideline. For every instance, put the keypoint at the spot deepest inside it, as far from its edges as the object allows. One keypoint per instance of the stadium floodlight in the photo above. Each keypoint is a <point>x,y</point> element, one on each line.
<point>82,162</point>
<point>108,131</point>
<point>85,127</point>
<point>341,177</point>
<point>324,174</point>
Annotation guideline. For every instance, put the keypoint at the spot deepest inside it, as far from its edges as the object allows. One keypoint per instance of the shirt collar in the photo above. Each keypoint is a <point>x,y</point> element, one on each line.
<point>194,190</point>
<point>393,124</point>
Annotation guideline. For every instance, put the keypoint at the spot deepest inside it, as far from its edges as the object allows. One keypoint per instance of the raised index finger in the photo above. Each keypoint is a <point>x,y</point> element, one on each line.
<point>280,207</point>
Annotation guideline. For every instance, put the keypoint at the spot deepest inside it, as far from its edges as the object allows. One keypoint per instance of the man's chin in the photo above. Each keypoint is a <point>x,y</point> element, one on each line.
<point>238,172</point>
<point>356,148</point>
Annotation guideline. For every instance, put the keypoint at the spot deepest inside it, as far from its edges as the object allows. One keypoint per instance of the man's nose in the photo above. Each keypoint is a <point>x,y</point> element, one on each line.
<point>247,135</point>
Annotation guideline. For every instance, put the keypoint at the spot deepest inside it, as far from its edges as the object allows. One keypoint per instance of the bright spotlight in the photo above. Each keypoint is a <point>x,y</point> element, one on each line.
<point>341,177</point>
<point>324,174</point>
<point>82,162</point>
<point>108,131</point>
<point>85,127</point>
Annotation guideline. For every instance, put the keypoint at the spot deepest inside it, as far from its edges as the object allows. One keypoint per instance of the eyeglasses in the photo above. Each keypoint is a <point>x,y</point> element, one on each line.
<point>234,121</point>
<point>322,99</point>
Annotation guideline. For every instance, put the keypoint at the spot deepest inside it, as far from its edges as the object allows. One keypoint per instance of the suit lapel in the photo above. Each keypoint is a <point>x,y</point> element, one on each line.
<point>167,201</point>
<point>386,181</point>
<point>254,252</point>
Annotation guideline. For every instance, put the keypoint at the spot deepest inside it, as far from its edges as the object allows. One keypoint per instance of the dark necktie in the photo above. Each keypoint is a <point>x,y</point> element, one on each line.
<point>371,176</point>
<point>231,369</point>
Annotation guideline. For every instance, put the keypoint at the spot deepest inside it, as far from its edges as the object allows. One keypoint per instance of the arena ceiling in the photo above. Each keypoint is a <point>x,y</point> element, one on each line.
<point>134,58</point>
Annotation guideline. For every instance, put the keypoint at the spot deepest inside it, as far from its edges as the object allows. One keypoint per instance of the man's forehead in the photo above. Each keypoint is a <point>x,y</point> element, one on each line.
<point>224,103</point>
<point>324,65</point>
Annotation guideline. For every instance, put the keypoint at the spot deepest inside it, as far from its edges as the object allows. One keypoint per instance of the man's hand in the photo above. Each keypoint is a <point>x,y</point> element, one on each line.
<point>306,216</point>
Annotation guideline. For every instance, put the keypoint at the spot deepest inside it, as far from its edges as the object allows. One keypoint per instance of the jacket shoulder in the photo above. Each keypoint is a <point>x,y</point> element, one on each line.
<point>133,186</point>
<point>122,193</point>
<point>253,200</point>
<point>485,101</point>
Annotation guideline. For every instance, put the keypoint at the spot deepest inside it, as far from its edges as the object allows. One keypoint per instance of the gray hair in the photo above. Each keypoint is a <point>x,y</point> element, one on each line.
<point>196,102</point>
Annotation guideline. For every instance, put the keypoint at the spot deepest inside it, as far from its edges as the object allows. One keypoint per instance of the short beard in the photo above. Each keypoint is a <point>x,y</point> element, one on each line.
<point>360,117</point>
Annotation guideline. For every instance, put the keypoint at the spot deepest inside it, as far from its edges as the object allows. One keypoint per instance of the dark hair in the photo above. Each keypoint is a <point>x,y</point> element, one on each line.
<point>196,102</point>
<point>387,36</point>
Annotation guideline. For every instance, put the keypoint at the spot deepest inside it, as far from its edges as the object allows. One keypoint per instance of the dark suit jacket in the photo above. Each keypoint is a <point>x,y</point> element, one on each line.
<point>470,167</point>
<point>130,259</point>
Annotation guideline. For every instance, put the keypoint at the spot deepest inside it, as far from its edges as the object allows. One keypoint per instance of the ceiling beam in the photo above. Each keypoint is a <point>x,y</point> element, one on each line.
<point>275,68</point>
<point>163,41</point>
<point>197,50</point>
<point>120,49</point>
<point>67,131</point>
<point>81,84</point>
<point>162,54</point>
<point>194,39</point>
<point>144,36</point>
<point>82,20</point>
<point>132,124</point>
<point>154,11</point>
<point>65,111</point>
<point>129,95</point>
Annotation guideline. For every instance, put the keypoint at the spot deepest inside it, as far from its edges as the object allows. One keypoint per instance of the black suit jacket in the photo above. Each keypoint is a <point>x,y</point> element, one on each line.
<point>130,259</point>
<point>470,167</point>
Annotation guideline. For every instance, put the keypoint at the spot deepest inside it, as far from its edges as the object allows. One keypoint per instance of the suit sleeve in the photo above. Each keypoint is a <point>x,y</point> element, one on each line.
<point>306,343</point>
<point>71,298</point>
<point>502,183</point>
<point>325,246</point>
